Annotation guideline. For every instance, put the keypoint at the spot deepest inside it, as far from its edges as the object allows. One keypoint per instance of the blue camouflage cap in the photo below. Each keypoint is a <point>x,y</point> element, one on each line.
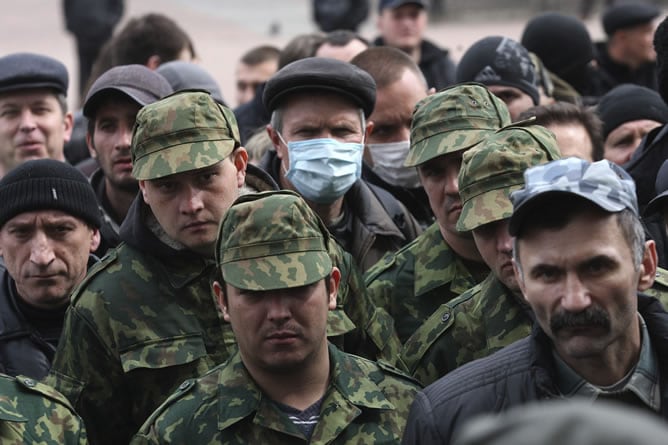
<point>603,183</point>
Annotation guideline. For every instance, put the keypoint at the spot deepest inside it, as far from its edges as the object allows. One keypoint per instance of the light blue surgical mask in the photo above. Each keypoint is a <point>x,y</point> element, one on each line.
<point>323,170</point>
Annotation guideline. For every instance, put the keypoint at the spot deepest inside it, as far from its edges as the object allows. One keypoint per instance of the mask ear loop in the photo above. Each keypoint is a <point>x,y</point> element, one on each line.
<point>363,121</point>
<point>280,136</point>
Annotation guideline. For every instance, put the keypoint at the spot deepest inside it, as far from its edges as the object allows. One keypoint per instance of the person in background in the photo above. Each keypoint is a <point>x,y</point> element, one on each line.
<point>34,121</point>
<point>402,24</point>
<point>254,68</point>
<point>111,108</point>
<point>628,113</point>
<point>400,85</point>
<point>183,75</point>
<point>342,45</point>
<point>578,129</point>
<point>49,226</point>
<point>505,68</point>
<point>628,56</point>
<point>91,23</point>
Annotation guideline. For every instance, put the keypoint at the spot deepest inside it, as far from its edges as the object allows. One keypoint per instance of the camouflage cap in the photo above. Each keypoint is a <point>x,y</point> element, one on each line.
<point>603,183</point>
<point>454,119</point>
<point>494,168</point>
<point>184,131</point>
<point>272,240</point>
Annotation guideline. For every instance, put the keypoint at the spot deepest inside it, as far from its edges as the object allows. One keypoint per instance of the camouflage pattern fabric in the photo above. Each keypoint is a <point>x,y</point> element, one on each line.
<point>603,183</point>
<point>477,323</point>
<point>366,403</point>
<point>289,252</point>
<point>493,169</point>
<point>184,131</point>
<point>454,119</point>
<point>33,413</point>
<point>137,327</point>
<point>413,282</point>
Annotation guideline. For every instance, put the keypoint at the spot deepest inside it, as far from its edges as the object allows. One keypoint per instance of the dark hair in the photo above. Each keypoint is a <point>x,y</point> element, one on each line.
<point>300,47</point>
<point>567,113</point>
<point>260,54</point>
<point>148,35</point>
<point>555,211</point>
<point>386,65</point>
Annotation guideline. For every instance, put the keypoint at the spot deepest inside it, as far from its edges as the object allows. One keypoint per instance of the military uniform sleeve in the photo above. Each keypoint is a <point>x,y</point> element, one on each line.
<point>87,374</point>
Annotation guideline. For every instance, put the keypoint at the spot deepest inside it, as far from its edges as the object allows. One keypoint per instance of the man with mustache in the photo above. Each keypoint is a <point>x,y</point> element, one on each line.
<point>276,284</point>
<point>492,314</point>
<point>581,260</point>
<point>111,108</point>
<point>49,225</point>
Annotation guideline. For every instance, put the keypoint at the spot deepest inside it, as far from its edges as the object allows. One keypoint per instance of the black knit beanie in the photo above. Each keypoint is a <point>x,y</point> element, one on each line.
<point>46,184</point>
<point>661,48</point>
<point>562,43</point>
<point>499,60</point>
<point>629,102</point>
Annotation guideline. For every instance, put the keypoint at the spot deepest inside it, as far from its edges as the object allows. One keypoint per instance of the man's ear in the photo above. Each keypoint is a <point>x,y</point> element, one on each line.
<point>240,158</point>
<point>648,266</point>
<point>220,298</point>
<point>91,147</point>
<point>334,280</point>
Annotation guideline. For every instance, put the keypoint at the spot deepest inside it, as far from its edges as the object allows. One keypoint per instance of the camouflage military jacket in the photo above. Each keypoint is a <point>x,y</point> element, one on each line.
<point>33,413</point>
<point>413,282</point>
<point>482,320</point>
<point>364,404</point>
<point>142,321</point>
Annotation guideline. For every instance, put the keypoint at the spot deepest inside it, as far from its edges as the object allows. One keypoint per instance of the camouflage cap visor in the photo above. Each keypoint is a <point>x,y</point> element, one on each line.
<point>257,267</point>
<point>164,159</point>
<point>487,207</point>
<point>447,141</point>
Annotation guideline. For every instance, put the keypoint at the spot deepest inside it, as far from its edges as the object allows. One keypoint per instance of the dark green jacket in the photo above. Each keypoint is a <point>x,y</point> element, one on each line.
<point>365,403</point>
<point>33,413</point>
<point>413,282</point>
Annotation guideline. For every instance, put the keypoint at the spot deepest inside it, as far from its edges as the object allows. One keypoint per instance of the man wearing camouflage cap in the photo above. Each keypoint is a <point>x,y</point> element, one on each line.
<point>581,261</point>
<point>493,313</point>
<point>34,121</point>
<point>146,319</point>
<point>441,263</point>
<point>286,384</point>
<point>31,412</point>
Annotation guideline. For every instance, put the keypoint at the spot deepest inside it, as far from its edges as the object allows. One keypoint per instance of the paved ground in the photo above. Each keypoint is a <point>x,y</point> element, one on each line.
<point>221,29</point>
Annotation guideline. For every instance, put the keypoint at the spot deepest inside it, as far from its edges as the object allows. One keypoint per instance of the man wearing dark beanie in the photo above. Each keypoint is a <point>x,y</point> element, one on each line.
<point>628,113</point>
<point>49,225</point>
<point>505,68</point>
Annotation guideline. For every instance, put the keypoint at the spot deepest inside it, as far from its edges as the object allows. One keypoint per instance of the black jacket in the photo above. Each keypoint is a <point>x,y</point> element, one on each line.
<point>435,63</point>
<point>23,349</point>
<point>613,73</point>
<point>515,375</point>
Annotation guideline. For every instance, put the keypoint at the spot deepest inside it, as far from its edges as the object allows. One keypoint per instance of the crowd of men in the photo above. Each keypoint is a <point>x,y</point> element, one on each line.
<point>377,245</point>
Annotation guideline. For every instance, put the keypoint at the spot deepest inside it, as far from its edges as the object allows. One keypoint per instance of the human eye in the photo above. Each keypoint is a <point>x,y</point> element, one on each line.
<point>9,112</point>
<point>165,186</point>
<point>546,274</point>
<point>20,231</point>
<point>598,266</point>
<point>59,231</point>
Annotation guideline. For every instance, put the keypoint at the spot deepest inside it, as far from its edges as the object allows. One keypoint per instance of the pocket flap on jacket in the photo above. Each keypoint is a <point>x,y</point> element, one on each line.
<point>163,353</point>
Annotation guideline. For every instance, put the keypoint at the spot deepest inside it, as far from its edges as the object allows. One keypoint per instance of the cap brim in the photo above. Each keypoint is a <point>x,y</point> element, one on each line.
<point>529,203</point>
<point>655,203</point>
<point>141,97</point>
<point>181,158</point>
<point>486,208</point>
<point>282,271</point>
<point>33,86</point>
<point>443,143</point>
